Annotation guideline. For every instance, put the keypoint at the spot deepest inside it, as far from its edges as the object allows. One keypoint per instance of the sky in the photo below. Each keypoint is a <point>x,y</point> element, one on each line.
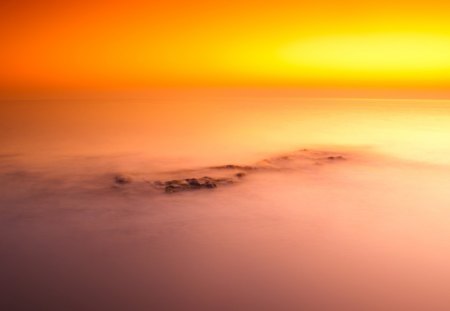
<point>51,46</point>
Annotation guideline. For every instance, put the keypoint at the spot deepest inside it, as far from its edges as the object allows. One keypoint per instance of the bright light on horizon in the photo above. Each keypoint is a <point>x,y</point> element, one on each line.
<point>103,46</point>
<point>372,56</point>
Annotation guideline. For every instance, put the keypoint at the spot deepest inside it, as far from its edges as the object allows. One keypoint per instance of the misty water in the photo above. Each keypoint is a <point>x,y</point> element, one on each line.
<point>367,233</point>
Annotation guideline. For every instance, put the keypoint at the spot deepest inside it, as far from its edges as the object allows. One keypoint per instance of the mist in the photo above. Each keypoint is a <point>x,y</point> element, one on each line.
<point>358,222</point>
<point>366,233</point>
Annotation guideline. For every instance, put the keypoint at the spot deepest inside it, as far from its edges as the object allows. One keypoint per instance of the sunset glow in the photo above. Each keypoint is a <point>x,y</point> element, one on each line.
<point>387,57</point>
<point>110,45</point>
<point>224,155</point>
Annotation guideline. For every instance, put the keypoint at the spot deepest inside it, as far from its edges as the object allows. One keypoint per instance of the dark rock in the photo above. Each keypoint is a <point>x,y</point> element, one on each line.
<point>234,167</point>
<point>224,181</point>
<point>122,179</point>
<point>171,189</point>
<point>178,185</point>
<point>193,182</point>
<point>235,173</point>
<point>174,182</point>
<point>335,158</point>
<point>209,184</point>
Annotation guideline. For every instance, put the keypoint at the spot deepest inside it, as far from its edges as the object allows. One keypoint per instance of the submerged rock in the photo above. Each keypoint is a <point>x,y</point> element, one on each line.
<point>332,158</point>
<point>222,175</point>
<point>240,174</point>
<point>178,185</point>
<point>234,167</point>
<point>122,179</point>
<point>193,182</point>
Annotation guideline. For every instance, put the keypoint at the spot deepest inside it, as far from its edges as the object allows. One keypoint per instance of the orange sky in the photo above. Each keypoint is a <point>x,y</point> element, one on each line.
<point>98,45</point>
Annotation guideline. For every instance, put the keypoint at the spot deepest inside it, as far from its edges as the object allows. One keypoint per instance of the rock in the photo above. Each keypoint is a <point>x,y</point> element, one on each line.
<point>122,179</point>
<point>209,184</point>
<point>178,185</point>
<point>175,182</point>
<point>232,173</point>
<point>224,181</point>
<point>332,158</point>
<point>240,175</point>
<point>193,182</point>
<point>171,189</point>
<point>234,167</point>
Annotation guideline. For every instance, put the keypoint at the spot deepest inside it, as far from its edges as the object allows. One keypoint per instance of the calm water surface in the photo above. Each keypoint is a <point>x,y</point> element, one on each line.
<point>370,233</point>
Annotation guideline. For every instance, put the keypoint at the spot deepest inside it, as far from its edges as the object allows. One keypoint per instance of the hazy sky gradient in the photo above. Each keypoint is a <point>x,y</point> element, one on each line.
<point>108,45</point>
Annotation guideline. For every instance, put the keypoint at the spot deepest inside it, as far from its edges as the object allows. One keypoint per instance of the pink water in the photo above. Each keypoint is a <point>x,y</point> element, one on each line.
<point>370,233</point>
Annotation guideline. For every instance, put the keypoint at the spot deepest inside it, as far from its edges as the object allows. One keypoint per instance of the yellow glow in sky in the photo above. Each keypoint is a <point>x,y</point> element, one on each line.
<point>97,44</point>
<point>411,57</point>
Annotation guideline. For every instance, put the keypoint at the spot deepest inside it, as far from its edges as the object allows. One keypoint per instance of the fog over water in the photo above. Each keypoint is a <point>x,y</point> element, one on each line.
<point>366,233</point>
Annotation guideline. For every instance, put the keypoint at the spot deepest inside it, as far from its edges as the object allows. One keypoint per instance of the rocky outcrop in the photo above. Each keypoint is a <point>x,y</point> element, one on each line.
<point>234,167</point>
<point>332,158</point>
<point>178,185</point>
<point>234,173</point>
<point>122,179</point>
